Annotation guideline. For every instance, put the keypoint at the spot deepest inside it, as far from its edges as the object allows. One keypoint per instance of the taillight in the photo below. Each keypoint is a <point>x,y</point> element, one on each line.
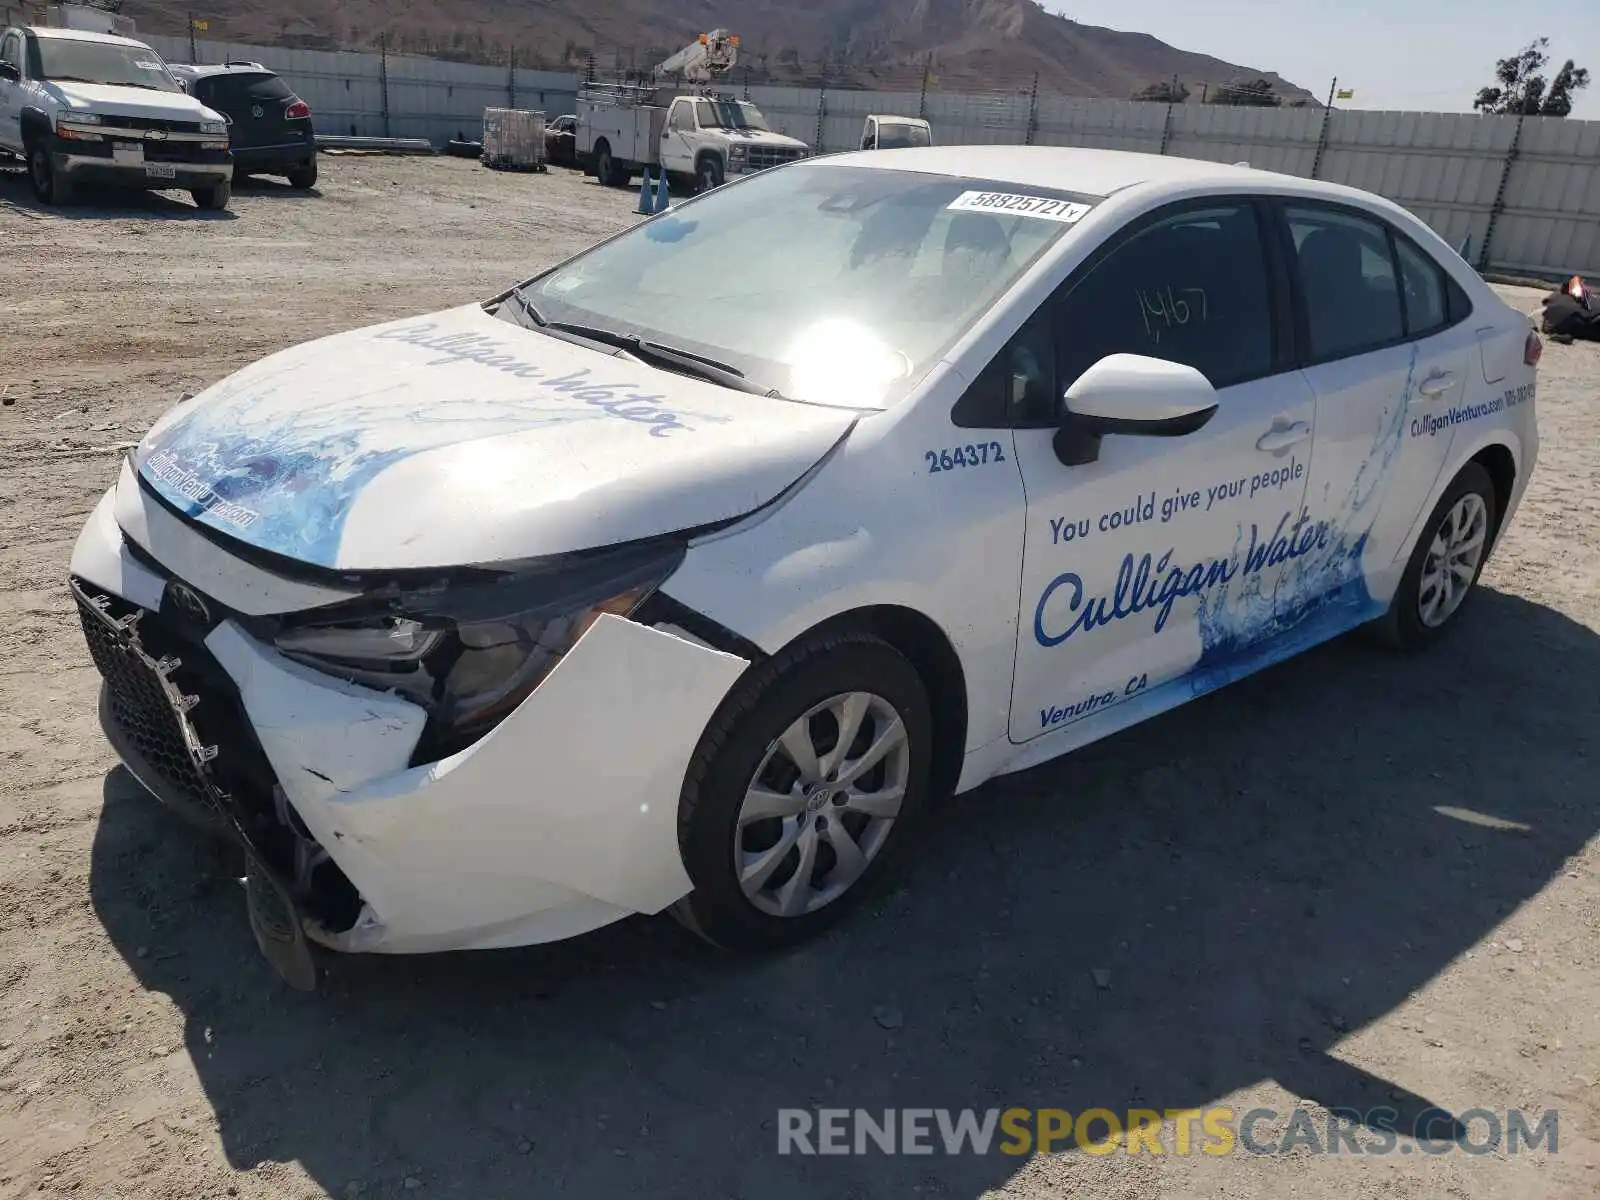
<point>298,109</point>
<point>1532,349</point>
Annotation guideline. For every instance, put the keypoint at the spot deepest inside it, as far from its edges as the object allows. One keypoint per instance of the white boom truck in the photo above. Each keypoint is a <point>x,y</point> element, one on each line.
<point>80,103</point>
<point>697,137</point>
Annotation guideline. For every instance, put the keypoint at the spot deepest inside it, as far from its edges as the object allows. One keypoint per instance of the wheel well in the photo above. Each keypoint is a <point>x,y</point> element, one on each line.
<point>33,124</point>
<point>935,659</point>
<point>705,154</point>
<point>1502,470</point>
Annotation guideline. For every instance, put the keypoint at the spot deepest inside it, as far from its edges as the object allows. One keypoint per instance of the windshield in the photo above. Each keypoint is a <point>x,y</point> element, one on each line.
<point>729,114</point>
<point>829,283</point>
<point>892,135</point>
<point>68,60</point>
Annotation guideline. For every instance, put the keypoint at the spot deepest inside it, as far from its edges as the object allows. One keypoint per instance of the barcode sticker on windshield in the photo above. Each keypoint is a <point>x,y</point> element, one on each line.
<point>1043,207</point>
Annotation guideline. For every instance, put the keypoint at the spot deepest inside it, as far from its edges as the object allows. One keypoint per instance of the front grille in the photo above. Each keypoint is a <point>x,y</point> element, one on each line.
<point>762,157</point>
<point>153,123</point>
<point>140,707</point>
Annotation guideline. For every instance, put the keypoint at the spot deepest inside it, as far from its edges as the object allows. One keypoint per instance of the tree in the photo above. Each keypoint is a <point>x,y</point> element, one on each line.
<point>1163,93</point>
<point>1257,92</point>
<point>1523,88</point>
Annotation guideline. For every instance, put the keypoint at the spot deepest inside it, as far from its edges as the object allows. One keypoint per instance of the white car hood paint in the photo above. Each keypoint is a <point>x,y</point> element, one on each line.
<point>761,137</point>
<point>457,438</point>
<point>108,100</point>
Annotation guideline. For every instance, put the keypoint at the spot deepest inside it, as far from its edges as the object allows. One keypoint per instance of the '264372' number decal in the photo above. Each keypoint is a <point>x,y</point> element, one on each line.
<point>970,455</point>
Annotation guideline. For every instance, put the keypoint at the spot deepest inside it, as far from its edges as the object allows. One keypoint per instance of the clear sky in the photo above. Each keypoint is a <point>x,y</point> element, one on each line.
<point>1414,54</point>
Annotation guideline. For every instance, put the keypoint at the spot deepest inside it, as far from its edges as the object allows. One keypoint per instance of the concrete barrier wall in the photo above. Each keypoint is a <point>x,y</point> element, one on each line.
<point>1519,195</point>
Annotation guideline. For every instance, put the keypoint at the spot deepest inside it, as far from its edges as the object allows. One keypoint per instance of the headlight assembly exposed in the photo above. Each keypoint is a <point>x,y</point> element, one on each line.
<point>471,648</point>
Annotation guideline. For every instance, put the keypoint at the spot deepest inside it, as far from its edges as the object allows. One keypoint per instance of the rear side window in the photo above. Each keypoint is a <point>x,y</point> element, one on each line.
<point>1427,306</point>
<point>1191,288</point>
<point>11,51</point>
<point>1347,276</point>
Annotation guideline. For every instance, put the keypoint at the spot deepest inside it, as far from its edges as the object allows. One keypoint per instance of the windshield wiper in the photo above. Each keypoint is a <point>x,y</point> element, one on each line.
<point>669,358</point>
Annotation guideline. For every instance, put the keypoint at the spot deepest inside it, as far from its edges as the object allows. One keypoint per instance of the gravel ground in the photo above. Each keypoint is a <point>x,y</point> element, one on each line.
<point>1277,896</point>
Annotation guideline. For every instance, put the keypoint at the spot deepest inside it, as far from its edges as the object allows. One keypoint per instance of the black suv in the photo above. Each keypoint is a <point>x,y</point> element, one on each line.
<point>269,127</point>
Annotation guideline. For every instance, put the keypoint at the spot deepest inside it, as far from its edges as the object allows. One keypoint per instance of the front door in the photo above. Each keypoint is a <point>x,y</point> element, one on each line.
<point>677,145</point>
<point>1388,364</point>
<point>1155,569</point>
<point>11,92</point>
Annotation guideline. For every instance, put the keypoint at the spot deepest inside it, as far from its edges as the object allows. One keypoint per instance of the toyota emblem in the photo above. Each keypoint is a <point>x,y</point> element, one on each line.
<point>188,605</point>
<point>256,110</point>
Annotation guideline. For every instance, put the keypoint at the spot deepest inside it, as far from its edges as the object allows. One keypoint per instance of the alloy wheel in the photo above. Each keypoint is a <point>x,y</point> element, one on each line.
<point>1454,557</point>
<point>821,804</point>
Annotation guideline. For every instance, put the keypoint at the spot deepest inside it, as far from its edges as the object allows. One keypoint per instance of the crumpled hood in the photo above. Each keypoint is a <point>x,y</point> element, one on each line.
<point>457,439</point>
<point>109,100</point>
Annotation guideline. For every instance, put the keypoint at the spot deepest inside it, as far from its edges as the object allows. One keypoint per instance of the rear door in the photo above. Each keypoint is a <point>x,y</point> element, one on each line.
<point>1388,354</point>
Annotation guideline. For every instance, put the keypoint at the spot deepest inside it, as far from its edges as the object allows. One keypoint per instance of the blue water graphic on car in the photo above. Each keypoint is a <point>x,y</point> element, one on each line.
<point>1319,595</point>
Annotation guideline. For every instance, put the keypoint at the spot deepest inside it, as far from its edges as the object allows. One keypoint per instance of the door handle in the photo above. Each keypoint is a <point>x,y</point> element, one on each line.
<point>1438,383</point>
<point>1283,437</point>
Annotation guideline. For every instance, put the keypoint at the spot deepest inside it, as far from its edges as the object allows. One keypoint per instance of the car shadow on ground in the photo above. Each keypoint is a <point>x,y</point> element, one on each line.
<point>1203,902</point>
<point>100,203</point>
<point>272,188</point>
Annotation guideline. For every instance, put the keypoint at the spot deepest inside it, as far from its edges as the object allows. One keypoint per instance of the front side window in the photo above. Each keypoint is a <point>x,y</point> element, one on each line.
<point>1191,288</point>
<point>1347,276</point>
<point>828,283</point>
<point>72,60</point>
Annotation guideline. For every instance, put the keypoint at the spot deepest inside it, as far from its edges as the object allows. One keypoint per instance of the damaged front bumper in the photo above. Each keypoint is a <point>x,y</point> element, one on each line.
<point>561,819</point>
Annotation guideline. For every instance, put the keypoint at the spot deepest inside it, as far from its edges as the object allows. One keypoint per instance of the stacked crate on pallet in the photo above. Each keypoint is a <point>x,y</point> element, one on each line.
<point>513,139</point>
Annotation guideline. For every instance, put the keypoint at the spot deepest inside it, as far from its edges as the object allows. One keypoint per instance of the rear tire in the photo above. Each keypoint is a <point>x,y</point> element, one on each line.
<point>834,842</point>
<point>303,179</point>
<point>49,186</point>
<point>606,169</point>
<point>1445,564</point>
<point>213,199</point>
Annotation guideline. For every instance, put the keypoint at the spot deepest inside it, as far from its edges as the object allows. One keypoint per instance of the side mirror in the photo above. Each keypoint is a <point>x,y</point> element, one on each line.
<point>11,72</point>
<point>1132,395</point>
<point>183,84</point>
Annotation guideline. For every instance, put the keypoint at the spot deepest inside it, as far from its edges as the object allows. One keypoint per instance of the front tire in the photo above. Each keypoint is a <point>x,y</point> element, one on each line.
<point>213,199</point>
<point>805,786</point>
<point>1445,563</point>
<point>708,173</point>
<point>49,186</point>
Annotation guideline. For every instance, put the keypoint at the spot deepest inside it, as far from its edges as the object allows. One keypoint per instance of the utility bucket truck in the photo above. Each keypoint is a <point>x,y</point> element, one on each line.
<point>674,121</point>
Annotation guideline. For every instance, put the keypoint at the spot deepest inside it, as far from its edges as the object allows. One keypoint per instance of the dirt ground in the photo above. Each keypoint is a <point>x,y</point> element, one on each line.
<point>1354,880</point>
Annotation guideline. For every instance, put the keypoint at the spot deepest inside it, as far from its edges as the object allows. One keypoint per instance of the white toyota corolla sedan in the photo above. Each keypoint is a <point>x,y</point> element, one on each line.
<point>684,574</point>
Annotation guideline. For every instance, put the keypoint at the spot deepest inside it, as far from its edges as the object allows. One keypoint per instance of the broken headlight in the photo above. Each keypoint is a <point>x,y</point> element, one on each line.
<point>470,648</point>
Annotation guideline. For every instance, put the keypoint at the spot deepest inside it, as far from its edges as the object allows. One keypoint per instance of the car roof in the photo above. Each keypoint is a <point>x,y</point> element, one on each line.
<point>1087,172</point>
<point>83,35</point>
<point>206,70</point>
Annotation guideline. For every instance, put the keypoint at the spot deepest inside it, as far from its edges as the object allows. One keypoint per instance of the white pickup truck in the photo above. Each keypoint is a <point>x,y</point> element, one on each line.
<point>698,140</point>
<point>86,107</point>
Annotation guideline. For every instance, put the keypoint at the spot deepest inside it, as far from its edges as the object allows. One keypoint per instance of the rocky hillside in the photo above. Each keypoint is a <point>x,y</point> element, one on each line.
<point>967,44</point>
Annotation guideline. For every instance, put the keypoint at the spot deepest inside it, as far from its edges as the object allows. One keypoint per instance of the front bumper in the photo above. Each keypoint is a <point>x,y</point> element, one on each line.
<point>95,169</point>
<point>562,819</point>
